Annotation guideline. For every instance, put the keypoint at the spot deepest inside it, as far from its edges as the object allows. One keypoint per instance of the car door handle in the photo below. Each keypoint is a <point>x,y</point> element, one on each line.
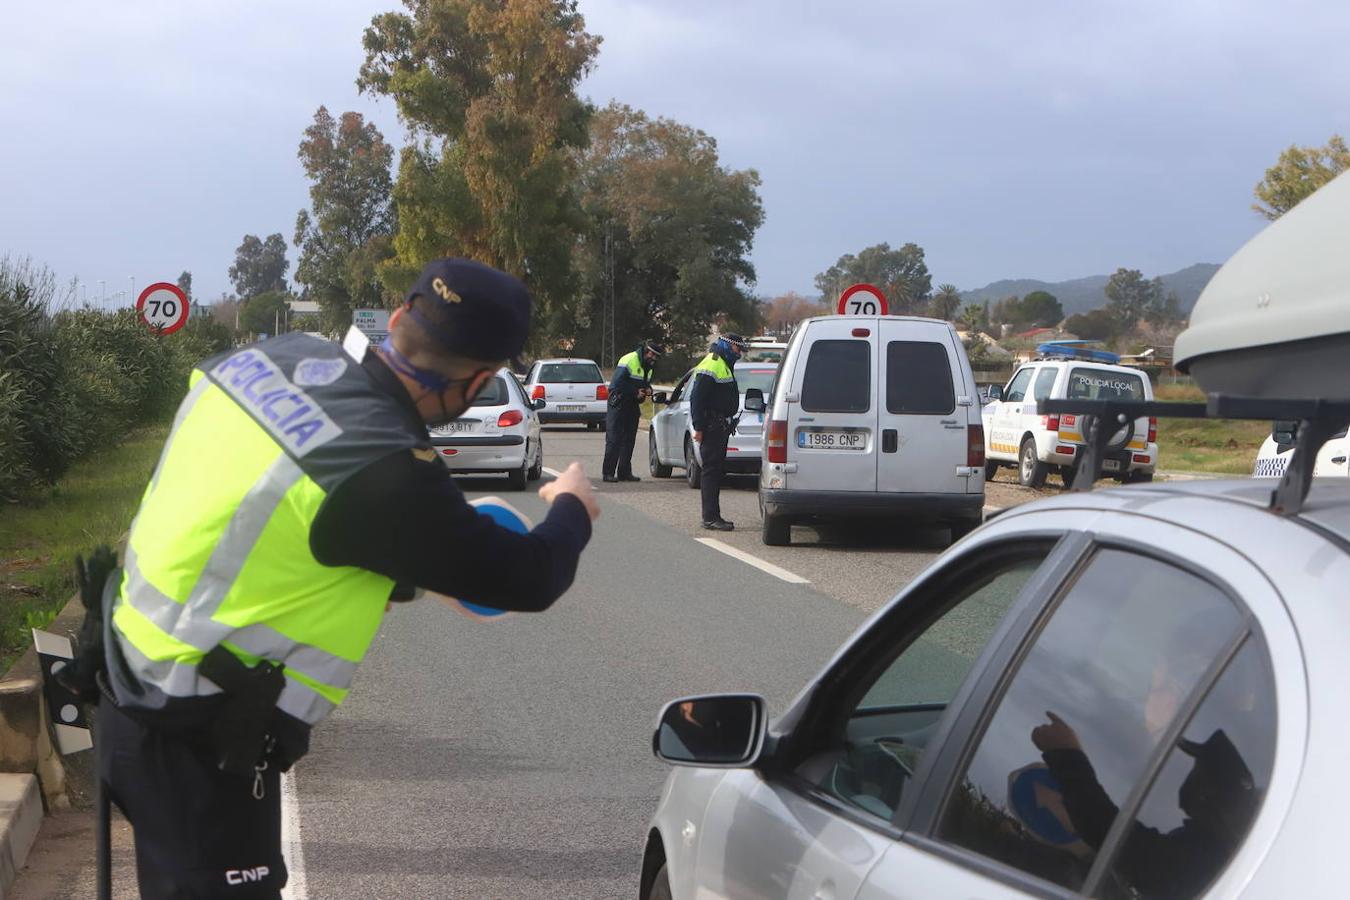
<point>890,440</point>
<point>1337,460</point>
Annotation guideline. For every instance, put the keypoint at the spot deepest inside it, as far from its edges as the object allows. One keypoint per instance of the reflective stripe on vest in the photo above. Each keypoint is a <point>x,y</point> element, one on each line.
<point>716,367</point>
<point>632,361</point>
<point>219,550</point>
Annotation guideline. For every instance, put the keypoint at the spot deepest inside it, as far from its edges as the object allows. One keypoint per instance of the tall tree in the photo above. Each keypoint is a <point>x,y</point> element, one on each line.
<point>1039,308</point>
<point>946,302</point>
<point>782,313</point>
<point>259,266</point>
<point>1097,325</point>
<point>265,313</point>
<point>669,231</point>
<point>901,274</point>
<point>1129,295</point>
<point>350,231</point>
<point>974,317</point>
<point>1299,172</point>
<point>488,91</point>
<point>185,284</point>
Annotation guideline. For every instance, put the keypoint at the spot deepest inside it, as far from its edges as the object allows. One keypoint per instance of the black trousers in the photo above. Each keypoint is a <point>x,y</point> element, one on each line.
<point>621,424</point>
<point>713,452</point>
<point>200,833</point>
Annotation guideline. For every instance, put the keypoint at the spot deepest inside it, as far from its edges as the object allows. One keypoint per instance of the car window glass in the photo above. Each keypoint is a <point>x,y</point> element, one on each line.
<point>1103,384</point>
<point>570,373</point>
<point>887,731</point>
<point>755,378</point>
<point>1017,388</point>
<point>678,394</point>
<point>1045,383</point>
<point>918,378</point>
<point>838,377</point>
<point>1075,728</point>
<point>493,393</point>
<point>1207,793</point>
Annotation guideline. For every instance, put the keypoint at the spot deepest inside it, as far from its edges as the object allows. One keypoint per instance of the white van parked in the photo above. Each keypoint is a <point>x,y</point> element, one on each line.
<point>872,416</point>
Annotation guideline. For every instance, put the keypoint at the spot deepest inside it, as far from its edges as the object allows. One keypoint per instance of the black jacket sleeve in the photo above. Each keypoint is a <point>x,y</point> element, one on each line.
<point>700,387</point>
<point>404,518</point>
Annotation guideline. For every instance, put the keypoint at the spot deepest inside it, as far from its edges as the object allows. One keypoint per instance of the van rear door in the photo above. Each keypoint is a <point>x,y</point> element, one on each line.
<point>832,414</point>
<point>923,432</point>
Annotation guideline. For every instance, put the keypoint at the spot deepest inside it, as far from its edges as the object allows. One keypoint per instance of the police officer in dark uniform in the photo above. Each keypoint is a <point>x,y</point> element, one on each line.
<point>630,386</point>
<point>714,402</point>
<point>297,495</point>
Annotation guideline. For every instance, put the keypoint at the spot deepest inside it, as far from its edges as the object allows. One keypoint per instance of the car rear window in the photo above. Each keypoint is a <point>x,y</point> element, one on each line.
<point>838,377</point>
<point>1103,384</point>
<point>918,378</point>
<point>569,373</point>
<point>755,378</point>
<point>494,394</point>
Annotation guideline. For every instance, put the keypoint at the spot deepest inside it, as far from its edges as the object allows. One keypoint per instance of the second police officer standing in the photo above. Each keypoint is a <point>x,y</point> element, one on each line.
<point>714,401</point>
<point>631,384</point>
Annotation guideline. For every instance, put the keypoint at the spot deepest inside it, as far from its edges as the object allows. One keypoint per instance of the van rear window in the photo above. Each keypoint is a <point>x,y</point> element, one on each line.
<point>1103,384</point>
<point>838,377</point>
<point>918,378</point>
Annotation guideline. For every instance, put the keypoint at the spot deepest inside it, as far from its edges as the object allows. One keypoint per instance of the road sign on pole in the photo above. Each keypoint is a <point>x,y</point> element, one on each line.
<point>862,300</point>
<point>163,307</point>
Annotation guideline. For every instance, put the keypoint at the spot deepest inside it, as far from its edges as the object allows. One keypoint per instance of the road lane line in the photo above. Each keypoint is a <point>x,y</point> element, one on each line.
<point>988,510</point>
<point>775,571</point>
<point>291,845</point>
<point>552,473</point>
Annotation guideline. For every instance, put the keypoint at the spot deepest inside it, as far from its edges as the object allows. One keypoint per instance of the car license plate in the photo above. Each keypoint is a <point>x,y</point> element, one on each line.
<point>1110,465</point>
<point>457,427</point>
<point>831,440</point>
<point>571,407</point>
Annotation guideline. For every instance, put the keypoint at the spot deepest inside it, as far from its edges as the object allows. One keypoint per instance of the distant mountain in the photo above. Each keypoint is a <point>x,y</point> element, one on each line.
<point>1082,294</point>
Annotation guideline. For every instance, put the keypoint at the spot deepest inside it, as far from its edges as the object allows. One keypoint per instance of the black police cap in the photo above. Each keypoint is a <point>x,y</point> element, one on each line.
<point>484,312</point>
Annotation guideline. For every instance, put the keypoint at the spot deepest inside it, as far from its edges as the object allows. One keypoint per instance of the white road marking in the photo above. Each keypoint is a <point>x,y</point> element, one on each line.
<point>990,510</point>
<point>291,845</point>
<point>775,571</point>
<point>551,473</point>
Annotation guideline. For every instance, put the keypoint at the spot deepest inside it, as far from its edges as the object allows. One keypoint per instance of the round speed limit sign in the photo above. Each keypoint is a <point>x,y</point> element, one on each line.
<point>163,307</point>
<point>862,300</point>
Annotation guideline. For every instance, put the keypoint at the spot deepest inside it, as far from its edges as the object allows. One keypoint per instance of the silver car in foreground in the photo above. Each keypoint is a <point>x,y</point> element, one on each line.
<point>498,433</point>
<point>1137,692</point>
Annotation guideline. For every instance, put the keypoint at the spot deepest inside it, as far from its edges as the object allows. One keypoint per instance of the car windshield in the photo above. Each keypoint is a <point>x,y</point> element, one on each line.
<point>755,378</point>
<point>569,373</point>
<point>1104,384</point>
<point>494,394</point>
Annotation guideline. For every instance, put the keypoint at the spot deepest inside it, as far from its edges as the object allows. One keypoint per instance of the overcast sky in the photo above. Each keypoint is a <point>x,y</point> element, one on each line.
<point>1051,139</point>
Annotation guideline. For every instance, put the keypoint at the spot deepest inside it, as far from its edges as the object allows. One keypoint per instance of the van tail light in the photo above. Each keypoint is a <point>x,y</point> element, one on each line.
<point>1152,430</point>
<point>1050,423</point>
<point>775,441</point>
<point>537,393</point>
<point>975,446</point>
<point>509,418</point>
<point>602,392</point>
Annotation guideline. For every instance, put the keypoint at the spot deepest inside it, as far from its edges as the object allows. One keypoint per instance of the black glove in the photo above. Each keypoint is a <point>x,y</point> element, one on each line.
<point>80,675</point>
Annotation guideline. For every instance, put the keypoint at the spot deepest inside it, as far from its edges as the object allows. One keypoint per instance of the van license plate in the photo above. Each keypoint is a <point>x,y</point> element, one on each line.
<point>832,440</point>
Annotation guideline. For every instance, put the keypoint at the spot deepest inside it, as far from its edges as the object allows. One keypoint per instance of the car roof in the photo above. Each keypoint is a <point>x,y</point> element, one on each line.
<point>567,359</point>
<point>1327,508</point>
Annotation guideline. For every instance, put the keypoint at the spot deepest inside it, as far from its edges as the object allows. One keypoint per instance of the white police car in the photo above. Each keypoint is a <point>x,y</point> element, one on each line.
<point>1273,457</point>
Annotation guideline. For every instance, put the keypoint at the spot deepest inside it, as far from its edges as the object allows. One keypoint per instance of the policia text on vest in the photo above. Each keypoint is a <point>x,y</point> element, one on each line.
<point>296,496</point>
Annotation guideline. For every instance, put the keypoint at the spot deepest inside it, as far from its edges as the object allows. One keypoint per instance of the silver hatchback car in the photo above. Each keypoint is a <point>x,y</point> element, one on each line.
<point>1137,692</point>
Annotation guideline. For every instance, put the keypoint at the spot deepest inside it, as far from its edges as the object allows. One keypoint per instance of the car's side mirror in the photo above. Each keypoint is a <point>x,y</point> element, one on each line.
<point>1284,433</point>
<point>716,731</point>
<point>754,400</point>
<point>995,392</point>
<point>660,397</point>
<point>538,404</point>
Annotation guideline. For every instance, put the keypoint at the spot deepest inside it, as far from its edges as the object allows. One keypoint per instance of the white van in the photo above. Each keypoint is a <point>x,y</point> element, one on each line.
<point>873,416</point>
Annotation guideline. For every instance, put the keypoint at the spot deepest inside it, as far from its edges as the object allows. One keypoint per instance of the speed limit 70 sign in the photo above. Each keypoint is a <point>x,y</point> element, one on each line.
<point>862,300</point>
<point>163,307</point>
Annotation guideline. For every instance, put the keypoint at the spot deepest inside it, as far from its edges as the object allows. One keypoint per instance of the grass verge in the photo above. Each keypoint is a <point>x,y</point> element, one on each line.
<point>1221,446</point>
<point>93,504</point>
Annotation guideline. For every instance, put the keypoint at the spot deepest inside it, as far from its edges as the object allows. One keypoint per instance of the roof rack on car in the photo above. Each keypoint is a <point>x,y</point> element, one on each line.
<point>1106,420</point>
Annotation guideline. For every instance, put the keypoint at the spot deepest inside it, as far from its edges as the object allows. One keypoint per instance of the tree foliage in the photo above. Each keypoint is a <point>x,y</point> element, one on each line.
<point>349,232</point>
<point>1097,325</point>
<point>670,227</point>
<point>974,317</point>
<point>265,313</point>
<point>184,284</point>
<point>901,274</point>
<point>1299,172</point>
<point>1129,296</point>
<point>945,303</point>
<point>783,313</point>
<point>488,91</point>
<point>259,266</point>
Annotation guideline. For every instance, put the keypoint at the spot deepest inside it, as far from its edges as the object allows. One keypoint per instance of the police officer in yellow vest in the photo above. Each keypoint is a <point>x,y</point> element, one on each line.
<point>714,402</point>
<point>298,494</point>
<point>631,384</point>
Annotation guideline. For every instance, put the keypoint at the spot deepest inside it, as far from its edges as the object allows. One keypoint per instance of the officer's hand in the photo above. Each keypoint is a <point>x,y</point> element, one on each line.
<point>1055,735</point>
<point>573,481</point>
<point>698,437</point>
